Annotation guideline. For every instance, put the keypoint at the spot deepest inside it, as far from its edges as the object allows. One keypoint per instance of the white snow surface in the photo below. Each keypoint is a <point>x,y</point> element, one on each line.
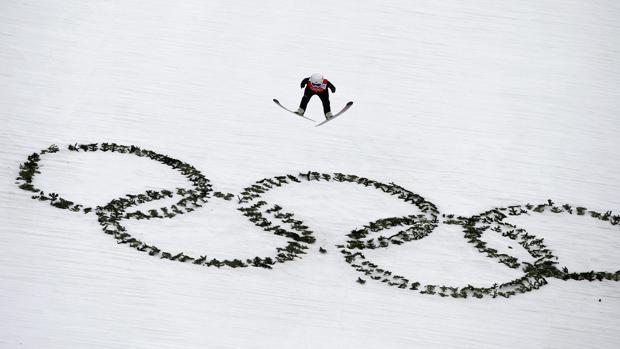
<point>471,104</point>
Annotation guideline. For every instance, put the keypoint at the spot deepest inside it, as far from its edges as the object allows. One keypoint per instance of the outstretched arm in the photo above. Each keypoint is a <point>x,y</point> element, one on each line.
<point>331,86</point>
<point>304,82</point>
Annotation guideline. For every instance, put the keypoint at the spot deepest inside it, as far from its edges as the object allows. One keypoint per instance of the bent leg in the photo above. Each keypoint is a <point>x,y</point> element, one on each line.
<point>325,99</point>
<point>308,93</point>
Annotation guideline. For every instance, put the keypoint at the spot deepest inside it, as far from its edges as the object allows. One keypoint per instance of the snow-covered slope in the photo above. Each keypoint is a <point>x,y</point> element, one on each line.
<point>471,105</point>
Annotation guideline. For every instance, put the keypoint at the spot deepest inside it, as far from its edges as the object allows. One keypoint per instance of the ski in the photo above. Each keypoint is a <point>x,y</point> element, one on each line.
<point>290,111</point>
<point>346,107</point>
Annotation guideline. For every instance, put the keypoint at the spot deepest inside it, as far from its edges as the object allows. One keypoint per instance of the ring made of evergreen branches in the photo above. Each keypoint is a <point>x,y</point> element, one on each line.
<point>260,212</point>
<point>300,237</point>
<point>545,263</point>
<point>419,229</point>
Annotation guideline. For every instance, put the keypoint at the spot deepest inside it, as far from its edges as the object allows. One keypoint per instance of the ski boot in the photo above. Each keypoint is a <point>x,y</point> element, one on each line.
<point>329,115</point>
<point>300,112</point>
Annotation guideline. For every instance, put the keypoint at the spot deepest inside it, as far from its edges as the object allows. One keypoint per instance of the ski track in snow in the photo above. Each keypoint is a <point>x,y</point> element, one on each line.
<point>472,105</point>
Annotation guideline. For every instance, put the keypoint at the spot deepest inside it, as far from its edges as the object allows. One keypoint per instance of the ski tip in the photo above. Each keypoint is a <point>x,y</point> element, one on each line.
<point>349,104</point>
<point>275,100</point>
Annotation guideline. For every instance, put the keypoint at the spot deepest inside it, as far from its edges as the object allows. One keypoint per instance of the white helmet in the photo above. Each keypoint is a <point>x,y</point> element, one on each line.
<point>316,79</point>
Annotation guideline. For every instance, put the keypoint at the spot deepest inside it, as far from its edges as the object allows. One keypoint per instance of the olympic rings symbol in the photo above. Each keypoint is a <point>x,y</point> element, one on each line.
<point>299,236</point>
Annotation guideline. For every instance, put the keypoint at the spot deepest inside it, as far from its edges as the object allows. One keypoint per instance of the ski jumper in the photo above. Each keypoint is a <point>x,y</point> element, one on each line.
<point>321,90</point>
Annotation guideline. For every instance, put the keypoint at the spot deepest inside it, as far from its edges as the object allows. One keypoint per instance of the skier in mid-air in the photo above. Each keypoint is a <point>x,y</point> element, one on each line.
<point>316,85</point>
